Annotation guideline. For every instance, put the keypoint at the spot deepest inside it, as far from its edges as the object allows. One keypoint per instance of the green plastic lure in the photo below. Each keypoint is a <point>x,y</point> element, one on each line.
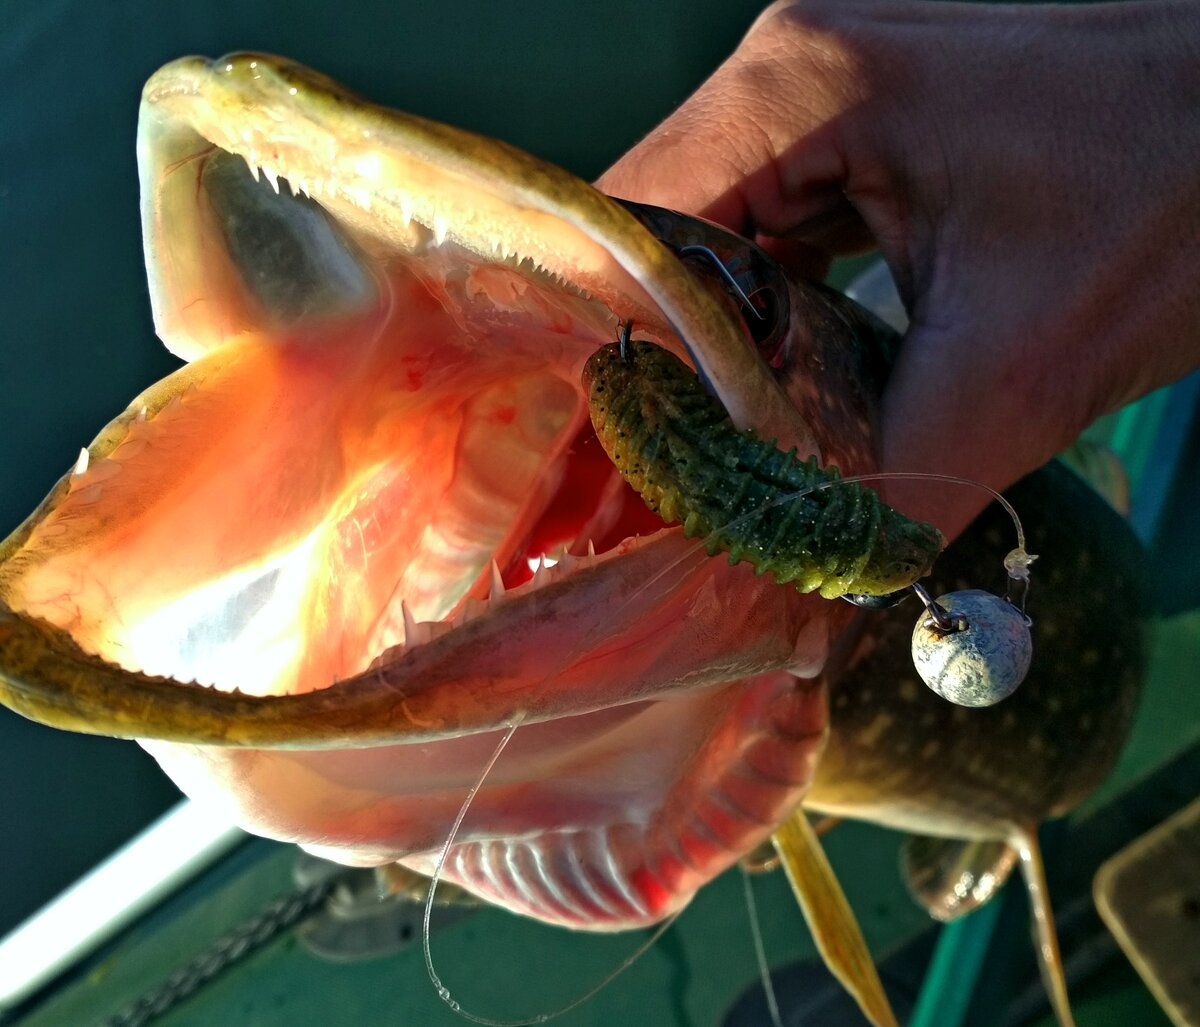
<point>677,447</point>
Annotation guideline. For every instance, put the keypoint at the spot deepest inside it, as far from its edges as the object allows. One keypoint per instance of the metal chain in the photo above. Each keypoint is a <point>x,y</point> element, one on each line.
<point>245,939</point>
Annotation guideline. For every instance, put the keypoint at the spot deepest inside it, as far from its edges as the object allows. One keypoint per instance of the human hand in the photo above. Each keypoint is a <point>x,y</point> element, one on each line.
<point>1029,174</point>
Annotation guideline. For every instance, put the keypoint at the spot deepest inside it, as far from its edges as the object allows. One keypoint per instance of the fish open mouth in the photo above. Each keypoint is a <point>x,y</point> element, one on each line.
<point>380,434</point>
<point>371,516</point>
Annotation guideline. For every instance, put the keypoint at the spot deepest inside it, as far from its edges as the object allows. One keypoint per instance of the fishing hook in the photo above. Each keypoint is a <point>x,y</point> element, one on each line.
<point>626,331</point>
<point>939,615</point>
<point>696,250</point>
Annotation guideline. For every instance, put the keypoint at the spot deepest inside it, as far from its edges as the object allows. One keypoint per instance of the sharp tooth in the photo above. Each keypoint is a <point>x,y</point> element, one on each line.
<point>406,209</point>
<point>415,634</point>
<point>292,186</point>
<point>591,548</point>
<point>439,230</point>
<point>497,591</point>
<point>273,178</point>
<point>253,168</point>
<point>81,464</point>
<point>543,572</point>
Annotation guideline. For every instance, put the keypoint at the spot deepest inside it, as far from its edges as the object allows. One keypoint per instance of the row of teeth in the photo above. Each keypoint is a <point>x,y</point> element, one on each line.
<point>312,188</point>
<point>417,633</point>
<point>88,470</point>
<point>545,572</point>
<point>316,188</point>
<point>364,198</point>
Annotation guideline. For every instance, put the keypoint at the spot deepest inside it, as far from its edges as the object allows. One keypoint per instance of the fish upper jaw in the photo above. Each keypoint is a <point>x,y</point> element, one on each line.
<point>398,182</point>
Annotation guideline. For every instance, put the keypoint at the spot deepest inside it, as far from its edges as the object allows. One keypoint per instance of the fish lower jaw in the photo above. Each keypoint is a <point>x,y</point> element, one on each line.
<point>546,570</point>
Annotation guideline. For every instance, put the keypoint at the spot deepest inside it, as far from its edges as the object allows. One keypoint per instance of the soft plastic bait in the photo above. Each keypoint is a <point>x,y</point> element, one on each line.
<point>676,446</point>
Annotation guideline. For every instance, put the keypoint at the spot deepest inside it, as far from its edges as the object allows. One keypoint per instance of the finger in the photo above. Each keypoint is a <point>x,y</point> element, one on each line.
<point>756,147</point>
<point>798,259</point>
<point>808,251</point>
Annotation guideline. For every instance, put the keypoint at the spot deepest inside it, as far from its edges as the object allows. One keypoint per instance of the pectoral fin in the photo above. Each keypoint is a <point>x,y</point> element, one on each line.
<point>950,877</point>
<point>829,917</point>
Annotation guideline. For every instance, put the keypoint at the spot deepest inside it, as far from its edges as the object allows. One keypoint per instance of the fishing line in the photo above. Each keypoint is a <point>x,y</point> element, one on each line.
<point>971,647</point>
<point>1016,564</point>
<point>760,952</point>
<point>443,991</point>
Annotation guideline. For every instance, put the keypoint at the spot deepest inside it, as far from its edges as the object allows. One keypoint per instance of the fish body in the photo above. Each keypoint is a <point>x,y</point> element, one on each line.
<point>972,785</point>
<point>900,755</point>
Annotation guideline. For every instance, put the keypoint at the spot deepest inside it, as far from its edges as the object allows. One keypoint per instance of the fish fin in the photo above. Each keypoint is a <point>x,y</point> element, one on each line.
<point>1042,917</point>
<point>834,928</point>
<point>950,877</point>
<point>1102,469</point>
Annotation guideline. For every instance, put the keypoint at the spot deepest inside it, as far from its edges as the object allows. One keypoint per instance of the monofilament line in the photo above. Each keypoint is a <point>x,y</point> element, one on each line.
<point>442,990</point>
<point>760,951</point>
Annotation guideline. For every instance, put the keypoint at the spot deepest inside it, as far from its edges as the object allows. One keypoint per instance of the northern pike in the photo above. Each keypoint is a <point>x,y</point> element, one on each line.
<point>311,569</point>
<point>324,567</point>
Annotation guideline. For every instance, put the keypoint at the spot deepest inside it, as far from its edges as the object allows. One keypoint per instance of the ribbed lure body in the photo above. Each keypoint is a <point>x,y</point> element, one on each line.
<point>678,449</point>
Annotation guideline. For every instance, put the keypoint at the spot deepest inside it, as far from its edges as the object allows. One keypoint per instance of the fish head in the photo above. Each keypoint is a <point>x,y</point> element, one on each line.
<point>366,528</point>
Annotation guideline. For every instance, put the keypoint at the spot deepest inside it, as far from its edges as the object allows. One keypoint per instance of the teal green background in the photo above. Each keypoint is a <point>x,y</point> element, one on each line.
<point>574,83</point>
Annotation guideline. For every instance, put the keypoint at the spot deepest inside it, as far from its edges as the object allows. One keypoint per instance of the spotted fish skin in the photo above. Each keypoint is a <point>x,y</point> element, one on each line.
<point>898,754</point>
<point>676,446</point>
